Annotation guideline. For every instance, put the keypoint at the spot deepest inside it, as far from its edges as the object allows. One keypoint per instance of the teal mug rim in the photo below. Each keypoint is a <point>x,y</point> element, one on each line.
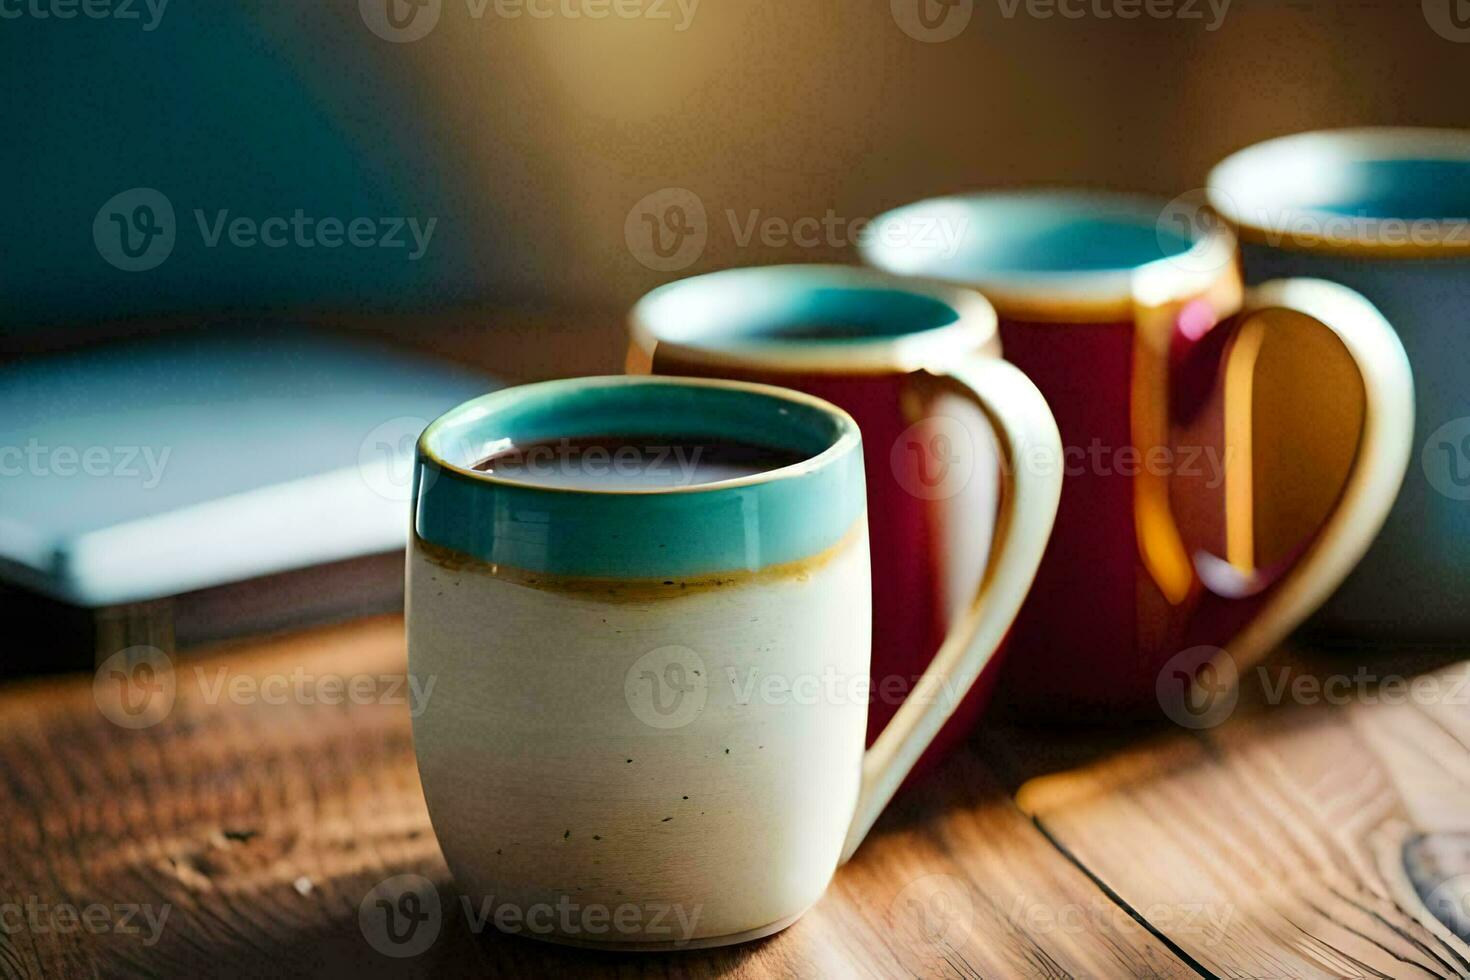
<point>844,438</point>
<point>673,534</point>
<point>971,324</point>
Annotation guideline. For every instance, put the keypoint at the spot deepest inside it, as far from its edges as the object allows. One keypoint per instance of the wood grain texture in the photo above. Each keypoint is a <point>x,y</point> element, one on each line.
<point>1318,834</point>
<point>252,821</point>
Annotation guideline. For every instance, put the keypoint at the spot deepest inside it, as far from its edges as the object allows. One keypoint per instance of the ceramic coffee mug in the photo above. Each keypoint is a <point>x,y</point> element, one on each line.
<point>1213,498</point>
<point>647,724</point>
<point>1386,211</point>
<point>918,366</point>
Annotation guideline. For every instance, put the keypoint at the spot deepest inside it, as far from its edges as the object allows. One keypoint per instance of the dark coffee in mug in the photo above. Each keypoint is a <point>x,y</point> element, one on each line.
<point>612,462</point>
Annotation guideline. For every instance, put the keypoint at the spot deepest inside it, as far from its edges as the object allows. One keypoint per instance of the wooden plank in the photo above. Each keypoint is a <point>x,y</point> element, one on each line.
<point>1314,837</point>
<point>252,832</point>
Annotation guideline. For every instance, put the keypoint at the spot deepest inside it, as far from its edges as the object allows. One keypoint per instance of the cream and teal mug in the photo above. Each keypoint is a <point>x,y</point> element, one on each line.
<point>647,725</point>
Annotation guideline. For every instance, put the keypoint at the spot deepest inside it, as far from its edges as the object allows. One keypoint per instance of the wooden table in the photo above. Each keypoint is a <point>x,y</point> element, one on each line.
<point>1295,840</point>
<point>240,837</point>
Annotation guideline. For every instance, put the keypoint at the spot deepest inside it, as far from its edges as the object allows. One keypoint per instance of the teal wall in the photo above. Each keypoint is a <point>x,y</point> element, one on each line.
<point>217,107</point>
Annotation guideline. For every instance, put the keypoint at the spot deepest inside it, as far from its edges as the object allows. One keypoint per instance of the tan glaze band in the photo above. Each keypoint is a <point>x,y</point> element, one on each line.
<point>1446,239</point>
<point>620,590</point>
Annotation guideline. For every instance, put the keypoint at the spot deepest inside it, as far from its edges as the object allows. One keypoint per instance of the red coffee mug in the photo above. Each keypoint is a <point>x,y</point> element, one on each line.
<point>960,453</point>
<point>1229,453</point>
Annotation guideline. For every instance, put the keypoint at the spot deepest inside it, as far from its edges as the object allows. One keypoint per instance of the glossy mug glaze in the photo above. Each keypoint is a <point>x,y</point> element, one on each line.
<point>1162,571</point>
<point>953,436</point>
<point>1387,212</point>
<point>604,732</point>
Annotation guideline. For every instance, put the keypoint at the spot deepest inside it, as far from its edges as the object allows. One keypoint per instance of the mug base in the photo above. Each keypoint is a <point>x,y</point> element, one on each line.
<point>667,945</point>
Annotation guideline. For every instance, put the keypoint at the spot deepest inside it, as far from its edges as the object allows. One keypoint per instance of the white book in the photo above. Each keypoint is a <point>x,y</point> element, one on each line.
<point>202,484</point>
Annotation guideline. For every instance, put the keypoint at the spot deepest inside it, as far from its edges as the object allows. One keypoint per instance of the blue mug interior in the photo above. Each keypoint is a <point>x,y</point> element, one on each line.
<point>1410,189</point>
<point>790,304</point>
<point>1032,234</point>
<point>629,407</point>
<point>1418,175</point>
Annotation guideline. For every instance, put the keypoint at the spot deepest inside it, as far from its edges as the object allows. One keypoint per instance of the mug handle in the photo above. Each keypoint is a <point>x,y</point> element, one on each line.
<point>1031,468</point>
<point>1292,590</point>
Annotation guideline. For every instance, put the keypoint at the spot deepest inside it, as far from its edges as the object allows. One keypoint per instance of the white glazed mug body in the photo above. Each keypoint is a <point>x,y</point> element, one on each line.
<point>636,742</point>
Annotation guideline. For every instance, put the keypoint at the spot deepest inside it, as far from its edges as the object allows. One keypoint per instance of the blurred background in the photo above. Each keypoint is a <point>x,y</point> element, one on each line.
<point>529,131</point>
<point>491,183</point>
